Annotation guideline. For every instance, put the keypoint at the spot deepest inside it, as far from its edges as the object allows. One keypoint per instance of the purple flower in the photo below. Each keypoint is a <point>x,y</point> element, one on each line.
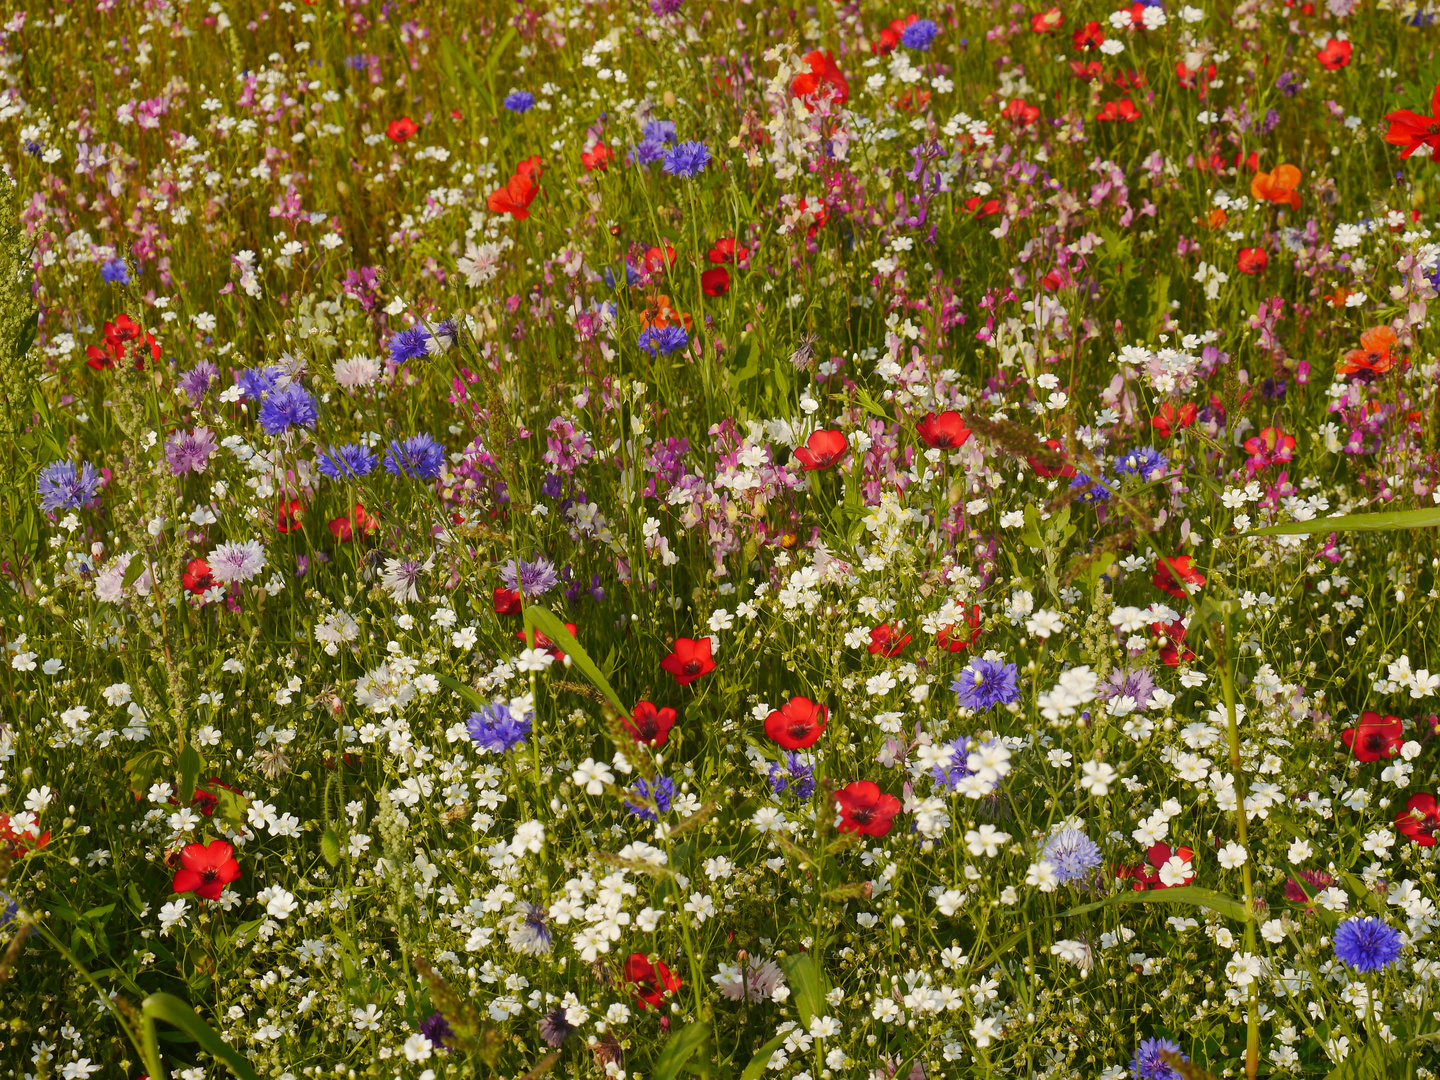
<point>1072,854</point>
<point>686,159</point>
<point>661,793</point>
<point>1149,1065</point>
<point>663,340</point>
<point>519,101</point>
<point>437,1029</point>
<point>196,382</point>
<point>530,578</point>
<point>115,272</point>
<point>255,383</point>
<point>555,1026</point>
<point>498,730</point>
<point>1134,683</point>
<point>419,457</point>
<point>1367,944</point>
<point>346,462</point>
<point>792,775</point>
<point>412,344</point>
<point>60,487</point>
<point>9,908</point>
<point>1288,83</point>
<point>1144,461</point>
<point>983,684</point>
<point>661,8</point>
<point>289,406</point>
<point>189,451</point>
<point>919,34</point>
<point>1092,489</point>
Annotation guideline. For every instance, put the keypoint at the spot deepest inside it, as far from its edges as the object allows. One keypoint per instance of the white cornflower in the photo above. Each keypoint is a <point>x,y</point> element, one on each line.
<point>236,562</point>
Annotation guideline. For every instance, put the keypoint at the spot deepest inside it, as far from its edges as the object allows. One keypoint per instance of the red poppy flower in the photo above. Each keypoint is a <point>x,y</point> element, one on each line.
<point>517,195</point>
<point>885,641</point>
<point>1374,737</point>
<point>864,808</point>
<point>1170,572</point>
<point>116,334</point>
<point>649,725</point>
<point>823,449</point>
<point>543,642</point>
<point>1172,419</point>
<point>1189,76</point>
<point>17,843</point>
<point>889,39</point>
<point>196,577</point>
<point>1087,37</point>
<point>343,528</point>
<point>715,281</point>
<point>206,871</point>
<point>947,431</point>
<point>689,660</point>
<point>1123,111</point>
<point>821,71</point>
<point>1064,469</point>
<point>1018,112</point>
<point>1335,55</point>
<point>507,601</point>
<point>598,156</point>
<point>1271,447</point>
<point>726,250</point>
<point>651,981</point>
<point>1251,261</point>
<point>400,130</point>
<point>1089,71</point>
<point>1412,131</point>
<point>1420,821</point>
<point>1042,22</point>
<point>288,516</point>
<point>1277,186</point>
<point>961,636</point>
<point>1170,637</point>
<point>797,724</point>
<point>657,260</point>
<point>982,207</point>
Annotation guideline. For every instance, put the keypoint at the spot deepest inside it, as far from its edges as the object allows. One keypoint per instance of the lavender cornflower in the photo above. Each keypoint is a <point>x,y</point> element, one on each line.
<point>984,683</point>
<point>419,457</point>
<point>115,272</point>
<point>685,160</point>
<point>255,383</point>
<point>401,577</point>
<point>661,793</point>
<point>189,451</point>
<point>442,335</point>
<point>956,770</point>
<point>196,382</point>
<point>663,340</point>
<point>1134,683</point>
<point>919,34</point>
<point>60,487</point>
<point>1144,461</point>
<point>289,406</point>
<point>1072,854</point>
<point>412,344</point>
<point>1092,489</point>
<point>794,775</point>
<point>1367,944</point>
<point>555,1026</point>
<point>519,101</point>
<point>497,730</point>
<point>1148,1063</point>
<point>530,578</point>
<point>437,1029</point>
<point>530,932</point>
<point>346,462</point>
<point>236,562</point>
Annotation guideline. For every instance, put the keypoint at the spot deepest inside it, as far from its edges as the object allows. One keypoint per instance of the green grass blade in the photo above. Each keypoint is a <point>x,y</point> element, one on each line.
<point>1426,518</point>
<point>175,1012</point>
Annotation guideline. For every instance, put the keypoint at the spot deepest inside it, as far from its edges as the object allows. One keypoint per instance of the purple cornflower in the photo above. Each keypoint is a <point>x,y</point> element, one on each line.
<point>957,770</point>
<point>287,407</point>
<point>1072,854</point>
<point>437,1029</point>
<point>346,462</point>
<point>663,340</point>
<point>189,451</point>
<point>1092,489</point>
<point>919,34</point>
<point>661,793</point>
<point>655,136</point>
<point>496,729</point>
<point>1144,461</point>
<point>196,382</point>
<point>115,272</point>
<point>530,578</point>
<point>1288,83</point>
<point>255,383</point>
<point>1367,944</point>
<point>519,101</point>
<point>555,1026</point>
<point>412,344</point>
<point>686,160</point>
<point>792,775</point>
<point>983,684</point>
<point>1134,683</point>
<point>1149,1065</point>
<point>419,457</point>
<point>61,487</point>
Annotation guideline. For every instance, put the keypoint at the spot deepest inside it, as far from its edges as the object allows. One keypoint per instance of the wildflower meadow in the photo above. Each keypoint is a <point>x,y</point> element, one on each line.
<point>668,539</point>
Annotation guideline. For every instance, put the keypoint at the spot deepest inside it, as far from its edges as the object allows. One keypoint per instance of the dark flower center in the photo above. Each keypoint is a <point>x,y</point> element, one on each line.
<point>692,667</point>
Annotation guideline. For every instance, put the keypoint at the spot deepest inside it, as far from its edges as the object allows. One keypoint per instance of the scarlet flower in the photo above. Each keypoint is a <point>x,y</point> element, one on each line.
<point>1278,186</point>
<point>343,528</point>
<point>823,449</point>
<point>650,725</point>
<point>1187,76</point>
<point>657,260</point>
<point>1373,357</point>
<point>116,334</point>
<point>1088,71</point>
<point>1129,80</point>
<point>1087,37</point>
<point>982,207</point>
<point>1420,821</point>
<point>1251,261</point>
<point>598,156</point>
<point>956,638</point>
<point>1018,112</point>
<point>651,981</point>
<point>17,843</point>
<point>726,250</point>
<point>1123,111</point>
<point>1335,55</point>
<point>206,871</point>
<point>519,192</point>
<point>1171,419</point>
<point>889,38</point>
<point>1170,572</point>
<point>821,72</point>
<point>947,431</point>
<point>885,641</point>
<point>507,601</point>
<point>1159,854</point>
<point>400,130</point>
<point>1064,469</point>
<point>1042,22</point>
<point>1374,737</point>
<point>864,808</point>
<point>797,724</point>
<point>715,281</point>
<point>196,577</point>
<point>543,642</point>
<point>1171,639</point>
<point>287,517</point>
<point>1412,131</point>
<point>1271,447</point>
<point>689,660</point>
<point>660,313</point>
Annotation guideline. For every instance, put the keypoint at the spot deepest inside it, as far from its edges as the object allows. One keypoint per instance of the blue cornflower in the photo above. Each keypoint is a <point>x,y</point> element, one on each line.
<point>663,340</point>
<point>1144,461</point>
<point>437,1029</point>
<point>290,406</point>
<point>957,770</point>
<point>661,793</point>
<point>530,578</point>
<point>519,101</point>
<point>498,730</point>
<point>1092,489</point>
<point>116,272</point>
<point>919,35</point>
<point>346,462</point>
<point>419,457</point>
<point>1367,944</point>
<point>255,383</point>
<point>983,684</point>
<point>9,908</point>
<point>686,159</point>
<point>61,487</point>
<point>1147,1063</point>
<point>1072,854</point>
<point>412,344</point>
<point>794,775</point>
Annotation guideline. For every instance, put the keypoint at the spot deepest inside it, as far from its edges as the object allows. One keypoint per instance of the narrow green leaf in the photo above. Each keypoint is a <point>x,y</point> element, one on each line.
<point>452,55</point>
<point>1188,894</point>
<point>133,571</point>
<point>190,763</point>
<point>1425,518</point>
<point>756,1068</point>
<point>678,1050</point>
<point>176,1013</point>
<point>807,983</point>
<point>542,619</point>
<point>470,694</point>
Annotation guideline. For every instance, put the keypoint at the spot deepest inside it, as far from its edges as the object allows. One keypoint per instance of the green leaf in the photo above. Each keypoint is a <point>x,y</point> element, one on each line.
<point>542,619</point>
<point>469,693</point>
<point>133,571</point>
<point>330,847</point>
<point>807,983</point>
<point>142,768</point>
<point>870,405</point>
<point>190,764</point>
<point>1187,894</point>
<point>678,1050</point>
<point>178,1014</point>
<point>452,56</point>
<point>1426,518</point>
<point>497,51</point>
<point>230,805</point>
<point>756,1068</point>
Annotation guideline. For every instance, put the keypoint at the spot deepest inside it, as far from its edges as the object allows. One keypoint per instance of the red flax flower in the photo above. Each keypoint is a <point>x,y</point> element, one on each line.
<point>715,281</point>
<point>821,72</point>
<point>1271,447</point>
<point>196,577</point>
<point>651,981</point>
<point>864,808</point>
<point>1373,357</point>
<point>726,250</point>
<point>944,432</point>
<point>288,516</point>
<point>1088,71</point>
<point>1159,854</point>
<point>689,660</point>
<point>1335,55</point>
<point>982,207</point>
<point>797,724</point>
<point>1170,572</point>
<point>890,37</point>
<point>1042,22</point>
<point>650,725</point>
<point>400,130</point>
<point>507,601</point>
<point>1123,111</point>
<point>1171,419</point>
<point>1374,737</point>
<point>519,192</point>
<point>598,156</point>
<point>960,636</point>
<point>1170,637</point>
<point>206,871</point>
<point>344,528</point>
<point>1251,261</point>
<point>885,640</point>
<point>1413,131</point>
<point>1019,113</point>
<point>116,334</point>
<point>543,642</point>
<point>1063,469</point>
<point>1420,821</point>
<point>822,449</point>
<point>1087,37</point>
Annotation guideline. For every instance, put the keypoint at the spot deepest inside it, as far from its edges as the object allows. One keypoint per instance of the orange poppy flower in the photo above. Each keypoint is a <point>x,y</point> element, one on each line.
<point>660,313</point>
<point>1373,357</point>
<point>1278,186</point>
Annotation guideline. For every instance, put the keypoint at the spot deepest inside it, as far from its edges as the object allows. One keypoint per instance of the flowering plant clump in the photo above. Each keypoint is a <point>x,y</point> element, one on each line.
<point>628,541</point>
